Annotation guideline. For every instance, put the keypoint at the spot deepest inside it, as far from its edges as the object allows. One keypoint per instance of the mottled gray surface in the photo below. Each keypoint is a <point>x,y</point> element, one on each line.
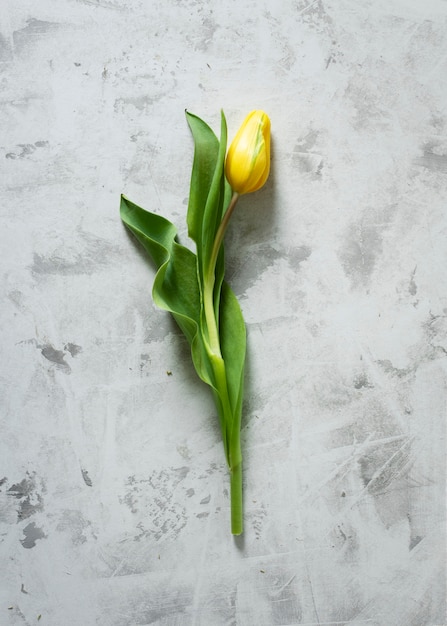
<point>114,503</point>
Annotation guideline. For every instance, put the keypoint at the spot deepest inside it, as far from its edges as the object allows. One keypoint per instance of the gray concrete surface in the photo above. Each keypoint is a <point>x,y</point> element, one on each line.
<point>113,489</point>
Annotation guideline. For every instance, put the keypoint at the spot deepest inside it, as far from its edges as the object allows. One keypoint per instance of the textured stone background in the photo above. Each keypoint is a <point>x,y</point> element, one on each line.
<point>113,489</point>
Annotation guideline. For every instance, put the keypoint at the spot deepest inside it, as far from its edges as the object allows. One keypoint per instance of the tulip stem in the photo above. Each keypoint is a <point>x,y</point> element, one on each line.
<point>228,420</point>
<point>221,232</point>
<point>210,277</point>
<point>236,499</point>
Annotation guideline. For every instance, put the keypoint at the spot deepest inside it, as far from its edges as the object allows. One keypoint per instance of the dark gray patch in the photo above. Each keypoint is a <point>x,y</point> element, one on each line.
<point>144,360</point>
<point>202,515</point>
<point>206,500</point>
<point>26,149</point>
<point>412,287</point>
<point>34,29</point>
<point>389,368</point>
<point>330,59</point>
<point>31,501</point>
<point>130,500</point>
<point>303,156</point>
<point>54,356</point>
<point>414,541</point>
<point>190,492</point>
<point>73,349</point>
<point>244,270</point>
<point>32,534</point>
<point>3,481</point>
<point>92,254</point>
<point>141,103</point>
<point>86,477</point>
<point>55,264</point>
<point>361,382</point>
<point>309,164</point>
<point>431,160</point>
<point>307,142</point>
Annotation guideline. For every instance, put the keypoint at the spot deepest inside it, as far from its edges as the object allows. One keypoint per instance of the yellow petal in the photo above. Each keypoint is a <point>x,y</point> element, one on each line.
<point>248,160</point>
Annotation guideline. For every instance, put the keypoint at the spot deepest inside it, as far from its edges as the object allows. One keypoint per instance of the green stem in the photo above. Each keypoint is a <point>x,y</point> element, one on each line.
<point>232,448</point>
<point>210,277</point>
<point>221,231</point>
<point>216,358</point>
<point>236,499</point>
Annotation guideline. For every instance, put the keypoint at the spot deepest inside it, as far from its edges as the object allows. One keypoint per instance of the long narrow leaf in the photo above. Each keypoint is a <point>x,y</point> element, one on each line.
<point>206,149</point>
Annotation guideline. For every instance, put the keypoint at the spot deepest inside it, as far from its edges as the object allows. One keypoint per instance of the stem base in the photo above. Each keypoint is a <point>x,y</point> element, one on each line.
<point>236,499</point>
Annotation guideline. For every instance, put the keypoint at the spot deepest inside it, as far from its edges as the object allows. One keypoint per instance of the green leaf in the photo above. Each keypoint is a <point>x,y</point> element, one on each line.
<point>176,290</point>
<point>233,346</point>
<point>214,207</point>
<point>206,149</point>
<point>175,286</point>
<point>210,192</point>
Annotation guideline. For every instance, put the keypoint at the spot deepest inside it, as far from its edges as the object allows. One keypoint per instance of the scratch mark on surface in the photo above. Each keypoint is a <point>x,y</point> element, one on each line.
<point>377,474</point>
<point>387,463</point>
<point>309,6</point>
<point>281,589</point>
<point>344,465</point>
<point>102,5</point>
<point>312,595</point>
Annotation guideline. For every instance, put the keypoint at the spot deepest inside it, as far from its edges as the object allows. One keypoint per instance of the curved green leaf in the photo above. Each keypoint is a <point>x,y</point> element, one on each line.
<point>209,195</point>
<point>176,290</point>
<point>175,286</point>
<point>206,149</point>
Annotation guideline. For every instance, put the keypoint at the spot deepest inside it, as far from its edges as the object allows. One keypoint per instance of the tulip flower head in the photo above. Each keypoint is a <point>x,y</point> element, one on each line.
<point>248,160</point>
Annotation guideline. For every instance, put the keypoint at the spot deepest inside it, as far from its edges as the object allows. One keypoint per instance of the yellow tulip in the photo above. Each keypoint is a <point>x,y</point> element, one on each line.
<point>248,160</point>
